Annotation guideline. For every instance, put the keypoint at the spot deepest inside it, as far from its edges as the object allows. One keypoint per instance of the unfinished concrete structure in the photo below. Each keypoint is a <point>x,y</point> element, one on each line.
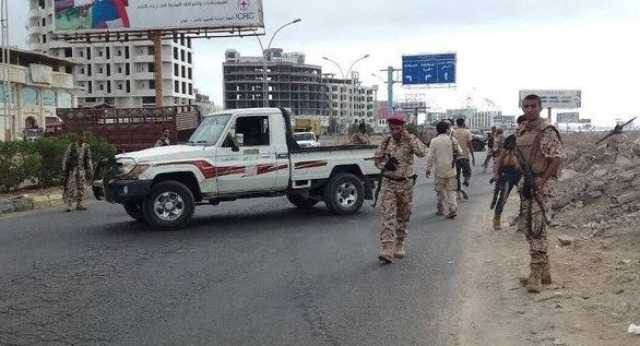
<point>288,81</point>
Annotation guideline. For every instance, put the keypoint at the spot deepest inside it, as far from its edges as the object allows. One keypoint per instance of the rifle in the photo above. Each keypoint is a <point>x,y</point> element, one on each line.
<point>530,190</point>
<point>390,165</point>
<point>616,130</point>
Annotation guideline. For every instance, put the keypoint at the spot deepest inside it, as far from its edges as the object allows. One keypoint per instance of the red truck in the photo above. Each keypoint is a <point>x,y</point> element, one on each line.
<point>132,129</point>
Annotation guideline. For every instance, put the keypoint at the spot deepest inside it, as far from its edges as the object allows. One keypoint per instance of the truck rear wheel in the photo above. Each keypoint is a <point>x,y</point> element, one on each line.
<point>344,194</point>
<point>169,206</point>
<point>302,202</point>
<point>134,209</point>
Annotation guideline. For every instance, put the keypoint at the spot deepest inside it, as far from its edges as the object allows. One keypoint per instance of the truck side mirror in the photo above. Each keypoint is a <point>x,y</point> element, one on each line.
<point>239,139</point>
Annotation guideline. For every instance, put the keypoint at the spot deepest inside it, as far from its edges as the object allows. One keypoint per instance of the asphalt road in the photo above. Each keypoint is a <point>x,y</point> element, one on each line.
<point>255,272</point>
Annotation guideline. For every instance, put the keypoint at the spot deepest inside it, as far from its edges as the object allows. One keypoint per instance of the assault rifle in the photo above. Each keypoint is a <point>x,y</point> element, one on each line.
<point>390,165</point>
<point>616,130</point>
<point>530,190</point>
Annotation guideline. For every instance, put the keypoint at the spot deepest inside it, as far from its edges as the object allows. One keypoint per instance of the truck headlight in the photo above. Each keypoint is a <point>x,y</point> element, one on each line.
<point>129,168</point>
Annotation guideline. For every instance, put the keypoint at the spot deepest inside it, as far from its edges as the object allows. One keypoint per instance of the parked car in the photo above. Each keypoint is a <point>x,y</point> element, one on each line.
<point>237,154</point>
<point>306,139</point>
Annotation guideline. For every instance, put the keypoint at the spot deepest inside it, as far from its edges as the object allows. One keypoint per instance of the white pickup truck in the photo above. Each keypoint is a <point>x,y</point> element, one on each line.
<point>236,154</point>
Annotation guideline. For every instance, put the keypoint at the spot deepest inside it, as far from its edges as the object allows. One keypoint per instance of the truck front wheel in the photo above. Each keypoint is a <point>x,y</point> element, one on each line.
<point>169,206</point>
<point>344,194</point>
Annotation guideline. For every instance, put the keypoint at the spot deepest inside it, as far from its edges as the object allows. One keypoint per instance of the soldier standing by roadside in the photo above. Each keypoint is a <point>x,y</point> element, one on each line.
<point>164,140</point>
<point>77,169</point>
<point>360,137</point>
<point>440,161</point>
<point>395,157</point>
<point>540,152</point>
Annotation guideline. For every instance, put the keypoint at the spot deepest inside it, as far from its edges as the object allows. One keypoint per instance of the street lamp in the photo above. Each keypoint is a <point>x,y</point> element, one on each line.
<point>265,83</point>
<point>344,77</point>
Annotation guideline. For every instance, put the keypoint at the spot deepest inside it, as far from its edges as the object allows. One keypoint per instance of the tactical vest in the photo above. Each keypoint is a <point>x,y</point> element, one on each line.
<point>528,141</point>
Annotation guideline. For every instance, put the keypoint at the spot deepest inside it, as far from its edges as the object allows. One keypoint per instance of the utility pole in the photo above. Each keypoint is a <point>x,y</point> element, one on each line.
<point>390,82</point>
<point>6,60</point>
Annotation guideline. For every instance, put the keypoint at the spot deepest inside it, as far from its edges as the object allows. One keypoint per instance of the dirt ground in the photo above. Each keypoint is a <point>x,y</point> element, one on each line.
<point>596,291</point>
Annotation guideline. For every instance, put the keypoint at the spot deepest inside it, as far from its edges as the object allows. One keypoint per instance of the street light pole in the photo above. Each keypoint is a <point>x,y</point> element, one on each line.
<point>344,77</point>
<point>265,56</point>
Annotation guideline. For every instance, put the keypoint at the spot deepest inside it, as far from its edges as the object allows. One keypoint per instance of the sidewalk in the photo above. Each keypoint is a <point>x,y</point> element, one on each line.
<point>30,200</point>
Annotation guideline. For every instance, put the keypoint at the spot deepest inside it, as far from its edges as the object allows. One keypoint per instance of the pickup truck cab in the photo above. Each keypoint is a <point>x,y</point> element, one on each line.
<point>236,154</point>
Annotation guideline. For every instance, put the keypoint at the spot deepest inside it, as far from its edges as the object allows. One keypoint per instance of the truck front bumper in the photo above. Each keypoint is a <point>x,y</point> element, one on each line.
<point>122,191</point>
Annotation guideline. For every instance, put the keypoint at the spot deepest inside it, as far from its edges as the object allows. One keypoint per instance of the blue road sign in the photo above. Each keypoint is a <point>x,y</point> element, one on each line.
<point>429,69</point>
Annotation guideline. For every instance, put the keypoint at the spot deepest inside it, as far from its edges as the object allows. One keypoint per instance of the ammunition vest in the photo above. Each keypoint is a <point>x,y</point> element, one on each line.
<point>528,141</point>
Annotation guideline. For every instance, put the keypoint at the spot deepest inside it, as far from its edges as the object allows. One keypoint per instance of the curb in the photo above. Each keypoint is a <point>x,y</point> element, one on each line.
<point>27,203</point>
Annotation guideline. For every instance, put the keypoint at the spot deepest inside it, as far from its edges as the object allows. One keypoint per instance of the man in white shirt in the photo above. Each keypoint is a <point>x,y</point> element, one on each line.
<point>440,162</point>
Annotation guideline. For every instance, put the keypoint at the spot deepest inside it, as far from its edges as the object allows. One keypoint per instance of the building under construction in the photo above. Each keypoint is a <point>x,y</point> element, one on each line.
<point>285,78</point>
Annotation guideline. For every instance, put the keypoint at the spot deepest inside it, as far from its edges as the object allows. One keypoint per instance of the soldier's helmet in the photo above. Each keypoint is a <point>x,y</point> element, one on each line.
<point>396,120</point>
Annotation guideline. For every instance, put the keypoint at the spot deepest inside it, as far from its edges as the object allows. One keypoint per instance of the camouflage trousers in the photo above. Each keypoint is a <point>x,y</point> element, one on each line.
<point>75,188</point>
<point>397,201</point>
<point>533,225</point>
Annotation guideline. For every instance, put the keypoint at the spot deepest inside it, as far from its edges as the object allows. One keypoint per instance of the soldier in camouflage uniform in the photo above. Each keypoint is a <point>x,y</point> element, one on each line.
<point>540,145</point>
<point>361,137</point>
<point>77,169</point>
<point>397,186</point>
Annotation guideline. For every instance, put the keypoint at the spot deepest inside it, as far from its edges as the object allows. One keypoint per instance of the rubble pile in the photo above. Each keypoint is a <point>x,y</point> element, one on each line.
<point>599,190</point>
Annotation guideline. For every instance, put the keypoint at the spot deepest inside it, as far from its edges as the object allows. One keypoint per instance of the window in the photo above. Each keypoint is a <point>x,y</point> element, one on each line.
<point>101,70</point>
<point>151,67</point>
<point>255,131</point>
<point>184,72</point>
<point>151,50</point>
<point>89,70</point>
<point>190,73</point>
<point>49,98</point>
<point>119,68</point>
<point>120,86</point>
<point>88,53</point>
<point>108,86</point>
<point>189,42</point>
<point>176,70</point>
<point>128,86</point>
<point>182,56</point>
<point>152,84</point>
<point>68,70</point>
<point>184,87</point>
<point>100,52</point>
<point>108,53</point>
<point>90,99</point>
<point>176,87</point>
<point>81,52</point>
<point>30,96</point>
<point>119,52</point>
<point>128,69</point>
<point>90,88</point>
<point>175,53</point>
<point>101,87</point>
<point>108,70</point>
<point>190,89</point>
<point>189,57</point>
<point>44,22</point>
<point>44,38</point>
<point>148,100</point>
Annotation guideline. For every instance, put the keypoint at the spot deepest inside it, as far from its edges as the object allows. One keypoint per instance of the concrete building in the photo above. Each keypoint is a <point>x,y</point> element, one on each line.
<point>484,119</point>
<point>32,87</point>
<point>507,122</point>
<point>204,102</point>
<point>285,78</point>
<point>116,73</point>
<point>349,101</point>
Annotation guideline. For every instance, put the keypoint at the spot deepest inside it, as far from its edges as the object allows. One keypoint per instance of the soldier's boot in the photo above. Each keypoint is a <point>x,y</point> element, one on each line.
<point>497,222</point>
<point>534,284</point>
<point>398,251</point>
<point>546,273</point>
<point>79,206</point>
<point>386,256</point>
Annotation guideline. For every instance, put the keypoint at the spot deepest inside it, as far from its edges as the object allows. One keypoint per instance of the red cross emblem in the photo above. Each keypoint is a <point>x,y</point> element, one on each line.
<point>243,4</point>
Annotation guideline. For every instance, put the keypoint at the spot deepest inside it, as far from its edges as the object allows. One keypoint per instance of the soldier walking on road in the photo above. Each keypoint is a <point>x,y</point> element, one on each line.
<point>540,153</point>
<point>466,157</point>
<point>440,162</point>
<point>77,169</point>
<point>395,157</point>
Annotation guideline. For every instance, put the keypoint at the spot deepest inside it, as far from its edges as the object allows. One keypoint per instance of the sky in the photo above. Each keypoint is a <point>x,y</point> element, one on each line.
<point>502,45</point>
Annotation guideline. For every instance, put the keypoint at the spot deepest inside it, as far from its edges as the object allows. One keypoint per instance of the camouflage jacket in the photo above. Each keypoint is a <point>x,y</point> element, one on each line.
<point>403,150</point>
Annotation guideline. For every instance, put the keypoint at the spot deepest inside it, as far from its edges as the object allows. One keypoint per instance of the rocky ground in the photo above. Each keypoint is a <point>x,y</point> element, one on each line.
<point>594,250</point>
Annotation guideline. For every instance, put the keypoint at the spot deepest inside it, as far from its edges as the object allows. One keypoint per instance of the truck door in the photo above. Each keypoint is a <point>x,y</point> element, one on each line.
<point>252,166</point>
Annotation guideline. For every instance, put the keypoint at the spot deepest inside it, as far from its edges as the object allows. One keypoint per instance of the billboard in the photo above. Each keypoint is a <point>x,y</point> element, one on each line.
<point>569,117</point>
<point>558,99</point>
<point>88,16</point>
<point>429,69</point>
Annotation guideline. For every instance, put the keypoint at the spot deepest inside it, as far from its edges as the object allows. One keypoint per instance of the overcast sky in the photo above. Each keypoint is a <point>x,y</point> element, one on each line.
<point>503,46</point>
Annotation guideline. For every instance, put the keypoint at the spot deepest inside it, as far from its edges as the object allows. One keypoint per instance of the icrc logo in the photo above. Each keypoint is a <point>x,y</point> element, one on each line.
<point>244,4</point>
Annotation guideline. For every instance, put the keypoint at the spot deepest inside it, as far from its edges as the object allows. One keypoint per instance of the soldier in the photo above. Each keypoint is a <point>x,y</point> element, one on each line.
<point>77,169</point>
<point>490,146</point>
<point>464,159</point>
<point>360,137</point>
<point>540,153</point>
<point>395,157</point>
<point>164,140</point>
<point>441,157</point>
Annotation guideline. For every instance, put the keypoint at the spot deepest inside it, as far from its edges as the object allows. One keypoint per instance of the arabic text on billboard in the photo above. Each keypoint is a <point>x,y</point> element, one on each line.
<point>557,99</point>
<point>133,15</point>
<point>429,69</point>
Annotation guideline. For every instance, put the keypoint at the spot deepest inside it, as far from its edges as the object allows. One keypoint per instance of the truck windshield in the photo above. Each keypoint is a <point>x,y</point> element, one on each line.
<point>304,137</point>
<point>210,130</point>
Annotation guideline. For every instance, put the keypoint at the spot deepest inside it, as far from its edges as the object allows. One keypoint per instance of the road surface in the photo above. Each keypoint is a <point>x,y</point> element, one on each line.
<point>254,272</point>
